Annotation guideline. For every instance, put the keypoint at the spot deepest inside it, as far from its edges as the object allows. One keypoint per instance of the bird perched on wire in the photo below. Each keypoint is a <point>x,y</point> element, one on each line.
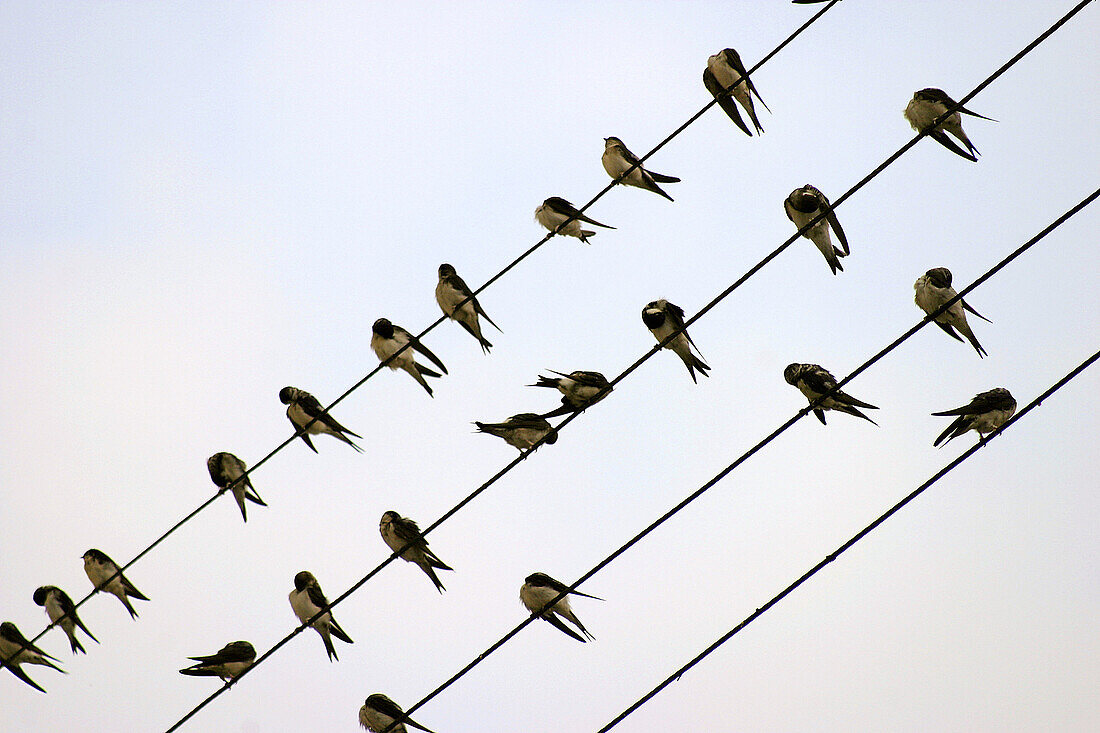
<point>926,106</point>
<point>539,589</point>
<point>230,661</point>
<point>61,611</point>
<point>663,318</point>
<point>302,407</point>
<point>555,211</point>
<point>985,413</point>
<point>105,575</point>
<point>813,381</point>
<point>379,713</point>
<point>452,290</point>
<point>520,431</point>
<point>933,289</point>
<point>228,472</point>
<point>580,390</point>
<point>308,600</point>
<point>724,69</point>
<point>617,160</point>
<point>388,339</point>
<point>398,532</point>
<point>802,206</point>
<point>16,650</point>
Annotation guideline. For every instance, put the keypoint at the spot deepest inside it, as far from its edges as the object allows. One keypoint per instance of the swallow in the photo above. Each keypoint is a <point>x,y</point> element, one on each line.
<point>617,160</point>
<point>379,713</point>
<point>302,407</point>
<point>555,211</point>
<point>662,319</point>
<point>803,205</point>
<point>520,431</point>
<point>62,612</point>
<point>928,104</point>
<point>105,575</point>
<point>581,390</point>
<point>230,661</point>
<point>228,472</point>
<point>452,290</point>
<point>985,413</point>
<point>723,70</point>
<point>307,600</point>
<point>933,289</point>
<point>387,339</point>
<point>16,650</point>
<point>814,381</point>
<point>398,531</point>
<point>539,589</point>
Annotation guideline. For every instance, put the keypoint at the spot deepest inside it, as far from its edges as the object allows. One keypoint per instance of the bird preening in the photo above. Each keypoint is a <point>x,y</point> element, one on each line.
<point>983,414</point>
<point>664,319</point>
<point>305,413</point>
<point>556,211</point>
<point>806,204</point>
<point>395,347</point>
<point>521,431</point>
<point>728,82</point>
<point>927,106</point>
<point>814,382</point>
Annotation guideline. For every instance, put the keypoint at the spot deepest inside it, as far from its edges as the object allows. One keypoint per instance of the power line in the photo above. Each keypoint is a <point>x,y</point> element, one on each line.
<point>659,346</point>
<point>840,550</point>
<point>675,133</point>
<point>756,448</point>
<point>122,569</point>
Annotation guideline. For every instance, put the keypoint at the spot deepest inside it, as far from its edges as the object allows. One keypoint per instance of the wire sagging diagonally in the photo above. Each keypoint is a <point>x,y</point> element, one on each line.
<point>847,545</point>
<point>658,347</point>
<point>756,448</point>
<point>438,321</point>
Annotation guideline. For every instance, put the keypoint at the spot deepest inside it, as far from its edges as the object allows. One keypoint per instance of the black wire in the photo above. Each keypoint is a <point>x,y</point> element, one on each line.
<point>840,550</point>
<point>756,448</point>
<point>440,320</point>
<point>660,345</point>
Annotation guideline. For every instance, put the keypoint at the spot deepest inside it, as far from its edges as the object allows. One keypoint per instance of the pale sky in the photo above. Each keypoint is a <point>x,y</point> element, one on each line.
<point>204,203</point>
